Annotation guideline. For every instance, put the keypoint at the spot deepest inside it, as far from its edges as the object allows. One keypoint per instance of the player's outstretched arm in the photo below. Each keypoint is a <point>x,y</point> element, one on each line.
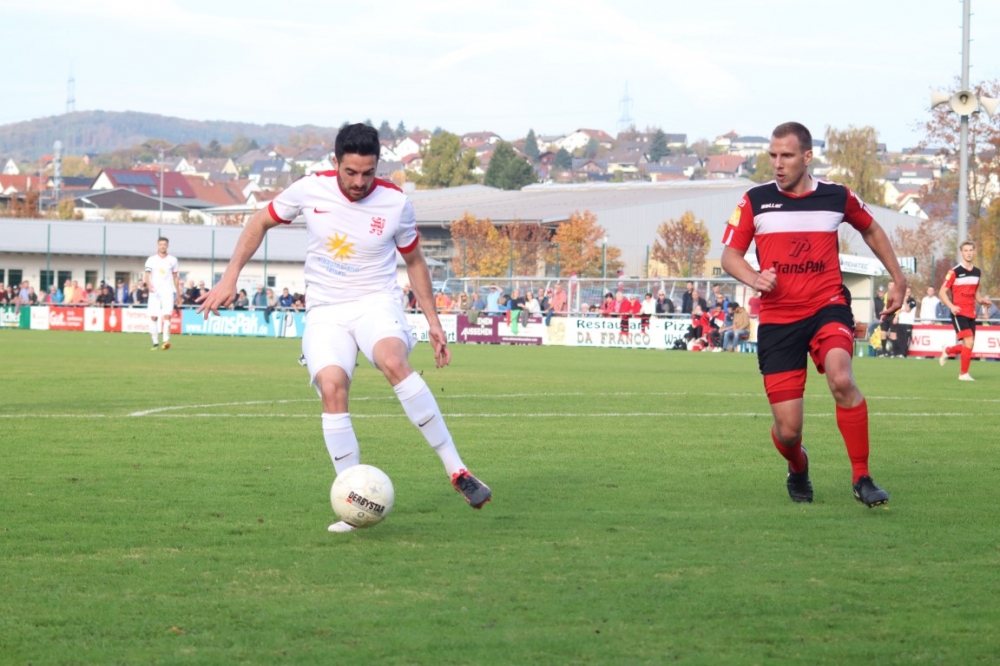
<point>875,238</point>
<point>224,292</point>
<point>420,284</point>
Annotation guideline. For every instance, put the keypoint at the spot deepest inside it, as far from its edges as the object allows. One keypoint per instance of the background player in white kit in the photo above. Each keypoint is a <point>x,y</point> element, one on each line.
<point>164,288</point>
<point>355,223</point>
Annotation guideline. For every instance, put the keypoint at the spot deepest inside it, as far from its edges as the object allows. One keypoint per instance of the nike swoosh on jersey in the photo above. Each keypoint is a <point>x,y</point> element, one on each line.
<point>321,212</point>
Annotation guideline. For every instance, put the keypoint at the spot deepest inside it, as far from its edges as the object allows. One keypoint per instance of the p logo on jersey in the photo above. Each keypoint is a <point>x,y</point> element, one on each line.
<point>378,226</point>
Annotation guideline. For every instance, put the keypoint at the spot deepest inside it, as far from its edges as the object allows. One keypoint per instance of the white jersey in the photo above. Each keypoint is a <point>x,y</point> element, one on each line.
<point>350,245</point>
<point>161,274</point>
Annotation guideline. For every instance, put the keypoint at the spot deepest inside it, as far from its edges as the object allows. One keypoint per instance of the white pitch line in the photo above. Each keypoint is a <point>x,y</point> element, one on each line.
<point>504,415</point>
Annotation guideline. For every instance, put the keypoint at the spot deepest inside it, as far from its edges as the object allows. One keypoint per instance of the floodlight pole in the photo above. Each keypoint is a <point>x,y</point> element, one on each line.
<point>963,146</point>
<point>604,258</point>
<point>161,184</point>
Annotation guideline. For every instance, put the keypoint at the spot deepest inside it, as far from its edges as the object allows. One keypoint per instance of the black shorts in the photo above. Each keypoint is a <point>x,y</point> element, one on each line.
<point>964,326</point>
<point>786,347</point>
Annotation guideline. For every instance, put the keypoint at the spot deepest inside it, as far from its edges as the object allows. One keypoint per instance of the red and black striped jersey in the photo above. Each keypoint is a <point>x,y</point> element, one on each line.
<point>797,237</point>
<point>964,283</point>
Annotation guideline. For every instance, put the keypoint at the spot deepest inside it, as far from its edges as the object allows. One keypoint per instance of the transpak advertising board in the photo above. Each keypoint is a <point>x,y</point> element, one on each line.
<point>245,323</point>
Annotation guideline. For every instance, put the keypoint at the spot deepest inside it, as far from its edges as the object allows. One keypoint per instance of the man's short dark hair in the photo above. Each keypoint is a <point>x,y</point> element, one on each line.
<point>357,139</point>
<point>732,305</point>
<point>800,131</point>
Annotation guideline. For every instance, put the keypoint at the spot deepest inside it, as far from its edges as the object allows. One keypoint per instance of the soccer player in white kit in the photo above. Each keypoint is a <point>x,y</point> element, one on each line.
<point>162,280</point>
<point>355,223</point>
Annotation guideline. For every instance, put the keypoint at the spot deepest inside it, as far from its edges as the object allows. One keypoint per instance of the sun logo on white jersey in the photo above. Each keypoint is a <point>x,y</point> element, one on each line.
<point>339,247</point>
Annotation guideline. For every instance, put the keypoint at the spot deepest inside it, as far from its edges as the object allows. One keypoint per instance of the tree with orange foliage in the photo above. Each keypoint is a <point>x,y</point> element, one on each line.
<point>579,244</point>
<point>527,243</point>
<point>482,252</point>
<point>681,246</point>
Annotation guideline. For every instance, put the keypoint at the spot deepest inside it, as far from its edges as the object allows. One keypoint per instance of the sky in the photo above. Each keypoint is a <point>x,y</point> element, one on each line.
<point>697,68</point>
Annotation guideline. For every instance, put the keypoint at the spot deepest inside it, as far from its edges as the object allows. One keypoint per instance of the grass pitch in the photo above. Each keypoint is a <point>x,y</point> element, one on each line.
<point>171,508</point>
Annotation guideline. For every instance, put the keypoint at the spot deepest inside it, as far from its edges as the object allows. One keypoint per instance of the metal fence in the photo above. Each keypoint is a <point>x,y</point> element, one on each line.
<point>586,294</point>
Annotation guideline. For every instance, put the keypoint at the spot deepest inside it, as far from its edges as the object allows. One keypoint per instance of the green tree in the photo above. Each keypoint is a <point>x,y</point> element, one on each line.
<point>659,147</point>
<point>763,169</point>
<point>563,159</point>
<point>853,157</point>
<point>400,130</point>
<point>531,146</point>
<point>445,164</point>
<point>591,149</point>
<point>385,131</point>
<point>508,170</point>
<point>681,246</point>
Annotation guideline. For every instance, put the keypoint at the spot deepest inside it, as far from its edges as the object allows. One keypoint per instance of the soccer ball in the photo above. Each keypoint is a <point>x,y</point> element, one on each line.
<point>362,495</point>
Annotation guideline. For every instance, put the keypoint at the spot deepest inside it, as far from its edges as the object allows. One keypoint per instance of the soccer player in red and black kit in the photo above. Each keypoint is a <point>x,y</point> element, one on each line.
<point>805,308</point>
<point>963,283</point>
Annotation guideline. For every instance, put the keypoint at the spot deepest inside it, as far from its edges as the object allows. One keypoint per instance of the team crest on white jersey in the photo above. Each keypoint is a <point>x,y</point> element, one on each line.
<point>378,226</point>
<point>339,247</point>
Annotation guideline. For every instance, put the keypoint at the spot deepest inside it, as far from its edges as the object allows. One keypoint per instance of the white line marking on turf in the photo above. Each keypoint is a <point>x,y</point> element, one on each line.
<point>505,415</point>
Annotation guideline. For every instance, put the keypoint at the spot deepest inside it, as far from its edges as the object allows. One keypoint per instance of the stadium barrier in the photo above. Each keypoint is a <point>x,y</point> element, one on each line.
<point>571,331</point>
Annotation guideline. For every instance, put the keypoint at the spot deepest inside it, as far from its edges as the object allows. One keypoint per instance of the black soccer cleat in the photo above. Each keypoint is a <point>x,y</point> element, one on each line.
<point>866,492</point>
<point>475,492</point>
<point>800,488</point>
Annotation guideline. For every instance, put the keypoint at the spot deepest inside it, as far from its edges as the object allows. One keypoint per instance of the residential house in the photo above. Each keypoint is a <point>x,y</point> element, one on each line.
<point>20,184</point>
<point>590,169</point>
<point>413,162</point>
<point>476,139</point>
<point>687,164</point>
<point>938,157</point>
<point>659,173</point>
<point>725,166</point>
<point>125,205</point>
<point>70,183</point>
<point>145,182</point>
<point>581,137</point>
<point>306,158</point>
<point>626,163</point>
<point>217,193</point>
<point>548,142</point>
<point>408,145</point>
<point>676,141</point>
<point>909,203</point>
<point>212,167</point>
<point>273,173</point>
<point>911,174</point>
<point>10,167</point>
<point>749,146</point>
<point>725,141</point>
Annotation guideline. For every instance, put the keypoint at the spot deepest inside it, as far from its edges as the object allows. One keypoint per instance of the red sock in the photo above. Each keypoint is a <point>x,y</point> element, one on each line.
<point>954,350</point>
<point>853,425</point>
<point>966,359</point>
<point>793,454</point>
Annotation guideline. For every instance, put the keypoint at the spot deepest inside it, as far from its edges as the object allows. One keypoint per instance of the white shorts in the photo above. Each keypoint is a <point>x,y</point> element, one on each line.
<point>160,304</point>
<point>335,333</point>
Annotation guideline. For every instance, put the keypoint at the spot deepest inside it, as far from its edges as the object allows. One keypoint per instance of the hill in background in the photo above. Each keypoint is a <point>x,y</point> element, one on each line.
<point>105,131</point>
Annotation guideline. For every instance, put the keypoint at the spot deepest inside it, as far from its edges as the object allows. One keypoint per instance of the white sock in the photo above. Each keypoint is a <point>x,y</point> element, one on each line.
<point>166,328</point>
<point>341,442</point>
<point>154,330</point>
<point>422,409</point>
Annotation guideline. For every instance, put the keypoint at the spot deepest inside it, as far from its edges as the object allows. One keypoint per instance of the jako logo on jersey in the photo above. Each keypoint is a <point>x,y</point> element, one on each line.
<point>339,247</point>
<point>771,205</point>
<point>378,226</point>
<point>799,245</point>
